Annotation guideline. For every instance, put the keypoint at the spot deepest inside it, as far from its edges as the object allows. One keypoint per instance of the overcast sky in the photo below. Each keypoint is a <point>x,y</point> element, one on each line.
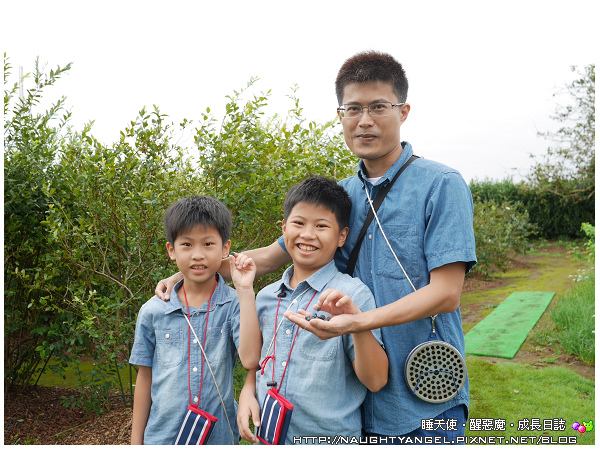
<point>482,74</point>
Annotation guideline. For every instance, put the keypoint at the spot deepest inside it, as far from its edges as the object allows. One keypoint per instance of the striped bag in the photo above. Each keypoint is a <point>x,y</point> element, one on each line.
<point>275,418</point>
<point>196,427</point>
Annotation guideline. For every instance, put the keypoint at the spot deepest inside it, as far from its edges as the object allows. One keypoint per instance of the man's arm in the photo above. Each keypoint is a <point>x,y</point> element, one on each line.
<point>142,401</point>
<point>370,361</point>
<point>267,259</point>
<point>441,295</point>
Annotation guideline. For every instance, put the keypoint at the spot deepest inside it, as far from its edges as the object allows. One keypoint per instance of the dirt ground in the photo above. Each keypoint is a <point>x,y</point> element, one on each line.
<point>37,417</point>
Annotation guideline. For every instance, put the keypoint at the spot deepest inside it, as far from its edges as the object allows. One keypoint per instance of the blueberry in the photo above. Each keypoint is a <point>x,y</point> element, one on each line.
<point>328,318</point>
<point>308,318</point>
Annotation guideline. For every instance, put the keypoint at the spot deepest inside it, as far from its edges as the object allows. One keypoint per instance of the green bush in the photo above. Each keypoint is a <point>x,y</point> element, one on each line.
<point>33,274</point>
<point>590,246</point>
<point>555,216</point>
<point>249,163</point>
<point>499,229</point>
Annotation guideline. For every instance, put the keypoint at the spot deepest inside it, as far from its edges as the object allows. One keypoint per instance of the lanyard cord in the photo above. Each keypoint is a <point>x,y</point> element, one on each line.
<point>264,363</point>
<point>203,345</point>
<point>272,344</point>
<point>386,239</point>
<point>394,253</point>
<point>207,363</point>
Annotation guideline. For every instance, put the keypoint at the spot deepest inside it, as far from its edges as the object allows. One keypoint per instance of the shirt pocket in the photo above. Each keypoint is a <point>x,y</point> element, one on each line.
<point>170,350</point>
<point>403,239</point>
<point>314,349</point>
<point>219,346</point>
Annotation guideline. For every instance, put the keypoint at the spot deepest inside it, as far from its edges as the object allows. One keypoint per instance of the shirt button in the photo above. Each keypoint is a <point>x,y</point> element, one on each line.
<point>195,399</point>
<point>283,364</point>
<point>195,369</point>
<point>288,331</point>
<point>195,341</point>
<point>370,236</point>
<point>167,335</point>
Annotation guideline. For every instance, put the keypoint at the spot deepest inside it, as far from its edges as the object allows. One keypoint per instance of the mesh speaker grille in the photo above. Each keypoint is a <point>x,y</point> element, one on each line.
<point>435,371</point>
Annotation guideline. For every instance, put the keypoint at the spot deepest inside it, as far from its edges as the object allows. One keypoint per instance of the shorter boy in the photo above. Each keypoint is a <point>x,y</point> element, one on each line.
<point>173,373</point>
<point>326,381</point>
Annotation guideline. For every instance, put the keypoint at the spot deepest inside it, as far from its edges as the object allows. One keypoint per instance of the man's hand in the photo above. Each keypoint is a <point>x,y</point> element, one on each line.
<point>164,287</point>
<point>336,303</point>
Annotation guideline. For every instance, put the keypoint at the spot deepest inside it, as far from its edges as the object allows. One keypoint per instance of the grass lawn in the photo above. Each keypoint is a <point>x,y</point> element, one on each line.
<point>515,392</point>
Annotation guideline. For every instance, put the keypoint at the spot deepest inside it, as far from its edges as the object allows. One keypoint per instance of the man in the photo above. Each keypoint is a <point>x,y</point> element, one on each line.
<point>427,218</point>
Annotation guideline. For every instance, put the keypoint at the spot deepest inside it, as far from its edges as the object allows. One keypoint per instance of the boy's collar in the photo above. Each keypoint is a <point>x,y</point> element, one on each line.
<point>175,303</point>
<point>317,280</point>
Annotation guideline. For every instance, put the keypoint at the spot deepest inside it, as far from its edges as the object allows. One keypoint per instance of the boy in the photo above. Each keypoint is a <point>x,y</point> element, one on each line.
<point>326,381</point>
<point>173,373</point>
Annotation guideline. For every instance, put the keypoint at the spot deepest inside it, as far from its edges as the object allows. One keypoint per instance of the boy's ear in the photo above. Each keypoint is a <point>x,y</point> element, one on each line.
<point>343,236</point>
<point>171,251</point>
<point>226,248</point>
<point>283,226</point>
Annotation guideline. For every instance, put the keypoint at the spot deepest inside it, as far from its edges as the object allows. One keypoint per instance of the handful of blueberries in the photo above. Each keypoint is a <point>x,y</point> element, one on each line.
<point>316,316</point>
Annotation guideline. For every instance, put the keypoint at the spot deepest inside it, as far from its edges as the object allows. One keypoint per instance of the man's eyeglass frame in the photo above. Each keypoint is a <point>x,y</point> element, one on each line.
<point>342,109</point>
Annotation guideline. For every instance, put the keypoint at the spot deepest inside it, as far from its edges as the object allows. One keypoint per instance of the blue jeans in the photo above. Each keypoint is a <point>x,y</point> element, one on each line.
<point>420,436</point>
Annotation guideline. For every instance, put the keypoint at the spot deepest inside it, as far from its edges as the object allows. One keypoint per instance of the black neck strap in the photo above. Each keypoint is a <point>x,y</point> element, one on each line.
<point>376,204</point>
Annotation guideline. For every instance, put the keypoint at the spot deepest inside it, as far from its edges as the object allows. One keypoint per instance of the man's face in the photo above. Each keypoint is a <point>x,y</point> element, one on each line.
<point>376,140</point>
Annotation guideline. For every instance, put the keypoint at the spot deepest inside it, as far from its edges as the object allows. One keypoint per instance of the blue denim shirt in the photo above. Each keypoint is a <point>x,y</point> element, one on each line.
<point>428,219</point>
<point>319,381</point>
<point>161,342</point>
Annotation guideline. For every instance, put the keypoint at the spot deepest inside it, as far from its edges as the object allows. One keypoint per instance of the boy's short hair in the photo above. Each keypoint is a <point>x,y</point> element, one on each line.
<point>320,191</point>
<point>372,66</point>
<point>199,210</point>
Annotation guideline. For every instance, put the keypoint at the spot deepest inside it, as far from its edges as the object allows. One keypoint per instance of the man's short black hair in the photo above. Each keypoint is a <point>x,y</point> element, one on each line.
<point>372,66</point>
<point>320,191</point>
<point>199,210</point>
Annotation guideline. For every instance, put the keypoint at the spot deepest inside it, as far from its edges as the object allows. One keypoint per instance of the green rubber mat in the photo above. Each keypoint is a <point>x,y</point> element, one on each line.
<point>502,333</point>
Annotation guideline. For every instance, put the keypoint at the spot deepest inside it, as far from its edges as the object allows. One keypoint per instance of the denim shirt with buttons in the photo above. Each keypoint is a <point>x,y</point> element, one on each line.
<point>161,342</point>
<point>319,381</point>
<point>428,218</point>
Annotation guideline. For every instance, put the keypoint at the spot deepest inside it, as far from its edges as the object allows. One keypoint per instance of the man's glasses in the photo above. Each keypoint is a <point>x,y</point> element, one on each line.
<point>376,109</point>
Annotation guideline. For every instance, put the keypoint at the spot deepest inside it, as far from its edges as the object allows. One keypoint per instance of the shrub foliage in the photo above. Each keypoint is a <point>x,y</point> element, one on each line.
<point>84,244</point>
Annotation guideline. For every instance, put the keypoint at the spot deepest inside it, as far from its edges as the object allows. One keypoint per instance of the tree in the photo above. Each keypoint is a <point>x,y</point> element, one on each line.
<point>568,168</point>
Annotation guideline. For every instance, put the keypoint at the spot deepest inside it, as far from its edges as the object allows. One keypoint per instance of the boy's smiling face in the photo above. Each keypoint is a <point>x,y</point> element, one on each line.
<point>312,235</point>
<point>198,253</point>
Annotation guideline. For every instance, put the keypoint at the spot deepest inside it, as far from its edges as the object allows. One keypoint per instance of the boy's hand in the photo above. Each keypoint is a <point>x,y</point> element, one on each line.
<point>243,270</point>
<point>248,408</point>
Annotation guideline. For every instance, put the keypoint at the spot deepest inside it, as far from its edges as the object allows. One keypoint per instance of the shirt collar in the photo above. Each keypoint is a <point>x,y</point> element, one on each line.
<point>316,281</point>
<point>407,152</point>
<point>218,297</point>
